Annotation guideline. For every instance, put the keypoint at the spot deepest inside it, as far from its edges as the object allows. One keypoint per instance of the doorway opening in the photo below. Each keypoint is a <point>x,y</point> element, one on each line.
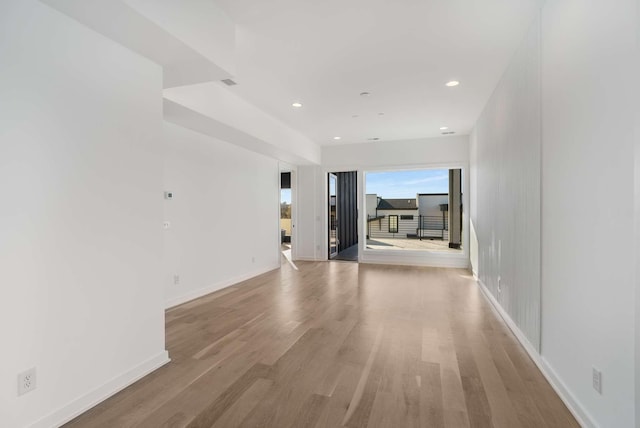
<point>286,217</point>
<point>342,207</point>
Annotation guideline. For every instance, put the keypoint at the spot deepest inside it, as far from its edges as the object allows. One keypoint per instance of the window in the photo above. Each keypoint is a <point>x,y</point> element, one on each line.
<point>393,224</point>
<point>411,209</point>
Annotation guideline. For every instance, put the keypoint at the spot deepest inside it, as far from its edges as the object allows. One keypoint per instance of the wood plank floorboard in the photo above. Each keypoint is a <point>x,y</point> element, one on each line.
<point>339,345</point>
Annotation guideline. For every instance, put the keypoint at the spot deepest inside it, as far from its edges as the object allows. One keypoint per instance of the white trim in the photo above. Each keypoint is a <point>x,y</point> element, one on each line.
<point>531,350</point>
<point>327,209</point>
<point>278,248</point>
<point>286,167</point>
<point>426,263</point>
<point>309,259</point>
<point>294,213</point>
<point>414,258</point>
<point>573,404</point>
<point>195,294</point>
<point>409,257</point>
<point>98,395</point>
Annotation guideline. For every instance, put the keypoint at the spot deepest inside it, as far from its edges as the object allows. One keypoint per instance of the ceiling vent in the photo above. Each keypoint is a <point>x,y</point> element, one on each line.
<point>229,82</point>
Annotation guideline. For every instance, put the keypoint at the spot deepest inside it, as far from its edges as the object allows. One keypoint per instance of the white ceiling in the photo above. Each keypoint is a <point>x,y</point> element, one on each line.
<point>324,53</point>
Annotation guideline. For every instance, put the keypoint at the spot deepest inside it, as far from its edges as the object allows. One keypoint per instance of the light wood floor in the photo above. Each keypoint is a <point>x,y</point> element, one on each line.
<point>339,344</point>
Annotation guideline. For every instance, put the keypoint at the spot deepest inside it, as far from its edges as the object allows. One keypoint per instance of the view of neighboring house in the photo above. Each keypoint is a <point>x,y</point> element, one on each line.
<point>425,216</point>
<point>433,209</point>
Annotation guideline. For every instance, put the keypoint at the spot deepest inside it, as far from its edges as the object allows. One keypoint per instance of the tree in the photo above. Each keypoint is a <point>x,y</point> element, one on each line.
<point>285,210</point>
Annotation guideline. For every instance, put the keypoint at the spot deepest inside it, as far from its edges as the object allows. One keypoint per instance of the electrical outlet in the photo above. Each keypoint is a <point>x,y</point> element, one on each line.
<point>597,379</point>
<point>253,259</point>
<point>176,279</point>
<point>27,381</point>
<point>166,224</point>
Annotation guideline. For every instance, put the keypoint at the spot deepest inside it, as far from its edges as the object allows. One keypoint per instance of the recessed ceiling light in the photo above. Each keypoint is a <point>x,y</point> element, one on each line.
<point>448,133</point>
<point>296,104</point>
<point>355,115</point>
<point>452,83</point>
<point>374,139</point>
<point>444,128</point>
<point>380,114</point>
<point>336,138</point>
<point>365,94</point>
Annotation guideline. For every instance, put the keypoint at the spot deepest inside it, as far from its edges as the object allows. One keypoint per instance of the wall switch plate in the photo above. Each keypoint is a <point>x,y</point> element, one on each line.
<point>27,381</point>
<point>176,279</point>
<point>597,380</point>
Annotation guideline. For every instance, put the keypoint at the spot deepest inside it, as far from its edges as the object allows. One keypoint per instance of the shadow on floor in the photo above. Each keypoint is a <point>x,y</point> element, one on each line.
<point>349,255</point>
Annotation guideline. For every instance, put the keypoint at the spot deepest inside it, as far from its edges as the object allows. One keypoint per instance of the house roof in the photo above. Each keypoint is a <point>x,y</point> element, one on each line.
<point>397,204</point>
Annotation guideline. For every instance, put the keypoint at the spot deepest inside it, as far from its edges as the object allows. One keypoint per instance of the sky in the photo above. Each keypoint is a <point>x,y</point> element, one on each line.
<point>285,195</point>
<point>406,184</point>
<point>399,184</point>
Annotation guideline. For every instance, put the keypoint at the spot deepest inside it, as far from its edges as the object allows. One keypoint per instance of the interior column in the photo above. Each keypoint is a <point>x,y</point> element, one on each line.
<point>455,208</point>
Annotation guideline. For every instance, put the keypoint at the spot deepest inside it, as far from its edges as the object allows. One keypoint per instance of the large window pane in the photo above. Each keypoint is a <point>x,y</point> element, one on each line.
<point>414,209</point>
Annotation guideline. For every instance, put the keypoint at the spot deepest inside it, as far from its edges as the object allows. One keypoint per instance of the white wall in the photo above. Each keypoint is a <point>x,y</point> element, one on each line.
<point>202,25</point>
<point>254,128</point>
<point>636,181</point>
<point>80,236</point>
<point>425,151</point>
<point>506,203</point>
<point>136,30</point>
<point>587,81</point>
<point>473,202</point>
<point>588,103</point>
<point>311,209</point>
<point>224,215</point>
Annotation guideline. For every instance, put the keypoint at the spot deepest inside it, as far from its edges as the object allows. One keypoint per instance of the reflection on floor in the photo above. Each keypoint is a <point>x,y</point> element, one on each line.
<point>286,253</point>
<point>410,244</point>
<point>349,255</point>
<point>339,345</point>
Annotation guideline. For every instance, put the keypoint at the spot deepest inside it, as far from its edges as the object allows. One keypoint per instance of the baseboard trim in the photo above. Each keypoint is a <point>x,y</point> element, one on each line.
<point>444,262</point>
<point>308,259</point>
<point>575,407</point>
<point>196,294</point>
<point>98,395</point>
<point>528,346</point>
